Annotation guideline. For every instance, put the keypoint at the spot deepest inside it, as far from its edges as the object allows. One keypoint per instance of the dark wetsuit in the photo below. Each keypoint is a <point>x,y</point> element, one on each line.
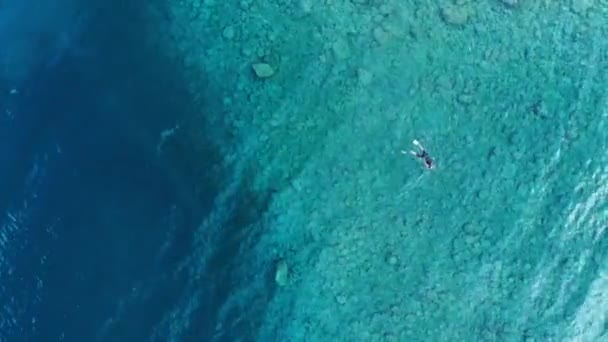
<point>428,162</point>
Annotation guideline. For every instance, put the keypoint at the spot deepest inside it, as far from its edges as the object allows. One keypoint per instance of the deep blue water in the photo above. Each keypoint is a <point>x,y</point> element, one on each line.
<point>100,218</point>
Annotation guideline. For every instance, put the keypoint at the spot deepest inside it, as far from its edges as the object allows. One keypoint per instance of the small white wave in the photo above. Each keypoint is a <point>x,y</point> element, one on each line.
<point>581,211</point>
<point>561,270</point>
<point>14,228</point>
<point>588,323</point>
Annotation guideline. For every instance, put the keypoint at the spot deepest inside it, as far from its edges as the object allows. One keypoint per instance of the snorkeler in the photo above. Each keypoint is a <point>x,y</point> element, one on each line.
<point>423,154</point>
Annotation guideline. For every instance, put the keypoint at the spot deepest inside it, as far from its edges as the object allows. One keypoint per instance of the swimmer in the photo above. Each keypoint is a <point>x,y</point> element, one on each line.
<point>423,154</point>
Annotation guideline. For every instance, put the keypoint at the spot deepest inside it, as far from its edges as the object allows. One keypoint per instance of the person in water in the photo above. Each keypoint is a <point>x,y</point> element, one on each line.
<point>422,155</point>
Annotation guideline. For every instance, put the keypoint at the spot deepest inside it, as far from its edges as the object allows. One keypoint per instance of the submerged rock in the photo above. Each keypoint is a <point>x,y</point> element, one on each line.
<point>455,15</point>
<point>281,276</point>
<point>510,3</point>
<point>581,6</point>
<point>263,70</point>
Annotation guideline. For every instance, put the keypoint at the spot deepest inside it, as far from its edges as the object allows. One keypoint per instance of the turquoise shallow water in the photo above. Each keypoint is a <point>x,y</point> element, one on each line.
<point>504,241</point>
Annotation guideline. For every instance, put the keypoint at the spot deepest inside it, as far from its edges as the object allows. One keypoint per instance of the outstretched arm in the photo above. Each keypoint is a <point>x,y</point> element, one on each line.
<point>415,154</point>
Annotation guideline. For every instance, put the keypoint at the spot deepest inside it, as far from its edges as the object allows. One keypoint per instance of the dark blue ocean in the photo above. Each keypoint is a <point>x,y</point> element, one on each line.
<point>97,209</point>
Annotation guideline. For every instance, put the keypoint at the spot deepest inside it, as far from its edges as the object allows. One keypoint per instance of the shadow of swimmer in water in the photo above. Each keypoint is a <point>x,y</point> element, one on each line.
<point>422,154</point>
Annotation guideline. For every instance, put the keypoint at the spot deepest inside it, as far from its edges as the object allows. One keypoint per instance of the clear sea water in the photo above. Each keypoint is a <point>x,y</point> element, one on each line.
<point>153,188</point>
<point>96,213</point>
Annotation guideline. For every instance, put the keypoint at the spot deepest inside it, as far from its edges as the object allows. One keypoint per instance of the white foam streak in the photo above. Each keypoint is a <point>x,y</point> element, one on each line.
<point>582,210</point>
<point>585,225</point>
<point>588,323</point>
